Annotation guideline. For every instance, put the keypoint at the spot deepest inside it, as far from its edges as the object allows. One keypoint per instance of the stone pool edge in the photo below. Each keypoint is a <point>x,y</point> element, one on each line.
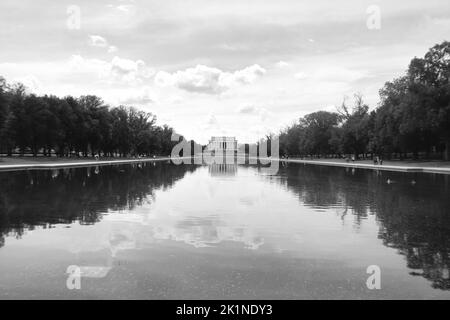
<point>439,170</point>
<point>58,165</point>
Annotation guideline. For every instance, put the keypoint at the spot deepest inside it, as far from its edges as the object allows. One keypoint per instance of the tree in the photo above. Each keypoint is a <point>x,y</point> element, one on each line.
<point>3,110</point>
<point>290,140</point>
<point>121,134</point>
<point>141,124</point>
<point>319,128</point>
<point>429,83</point>
<point>355,131</point>
<point>414,112</point>
<point>49,125</point>
<point>92,108</point>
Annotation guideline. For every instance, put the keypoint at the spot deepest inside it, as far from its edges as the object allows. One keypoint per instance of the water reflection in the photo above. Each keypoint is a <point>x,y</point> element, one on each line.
<point>137,207</point>
<point>412,210</point>
<point>48,197</point>
<point>223,169</point>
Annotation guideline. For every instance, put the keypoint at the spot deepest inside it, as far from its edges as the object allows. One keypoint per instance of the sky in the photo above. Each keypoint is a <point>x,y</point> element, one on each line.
<point>241,68</point>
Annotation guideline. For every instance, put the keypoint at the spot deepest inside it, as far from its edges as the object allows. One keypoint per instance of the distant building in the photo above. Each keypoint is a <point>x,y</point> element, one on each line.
<point>223,144</point>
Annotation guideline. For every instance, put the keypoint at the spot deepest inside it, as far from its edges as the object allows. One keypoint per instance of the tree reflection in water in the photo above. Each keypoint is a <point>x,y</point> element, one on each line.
<point>47,197</point>
<point>412,211</point>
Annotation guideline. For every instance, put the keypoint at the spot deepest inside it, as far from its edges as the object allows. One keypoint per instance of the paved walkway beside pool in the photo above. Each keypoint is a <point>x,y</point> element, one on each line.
<point>42,163</point>
<point>429,167</point>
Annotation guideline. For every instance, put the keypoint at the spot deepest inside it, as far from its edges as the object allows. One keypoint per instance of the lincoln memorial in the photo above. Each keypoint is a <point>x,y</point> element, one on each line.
<point>223,144</point>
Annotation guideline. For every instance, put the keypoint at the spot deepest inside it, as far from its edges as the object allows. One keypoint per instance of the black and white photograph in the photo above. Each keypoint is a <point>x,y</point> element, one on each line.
<point>242,151</point>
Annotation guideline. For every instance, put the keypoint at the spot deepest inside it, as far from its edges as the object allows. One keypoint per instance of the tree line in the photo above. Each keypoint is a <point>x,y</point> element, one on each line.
<point>411,120</point>
<point>83,126</point>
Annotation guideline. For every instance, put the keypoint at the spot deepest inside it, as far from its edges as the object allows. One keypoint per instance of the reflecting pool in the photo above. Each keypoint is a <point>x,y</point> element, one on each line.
<point>164,231</point>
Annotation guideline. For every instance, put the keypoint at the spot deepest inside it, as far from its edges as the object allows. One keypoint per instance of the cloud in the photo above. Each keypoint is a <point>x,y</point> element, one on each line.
<point>31,82</point>
<point>125,8</point>
<point>337,73</point>
<point>211,120</point>
<point>97,41</point>
<point>211,126</point>
<point>249,109</point>
<point>300,75</point>
<point>247,75</point>
<point>130,70</point>
<point>204,79</point>
<point>79,64</point>
<point>175,99</point>
<point>282,64</point>
<point>143,96</point>
<point>119,69</point>
<point>332,74</point>
<point>101,42</point>
<point>264,114</point>
<point>163,79</point>
<point>112,49</point>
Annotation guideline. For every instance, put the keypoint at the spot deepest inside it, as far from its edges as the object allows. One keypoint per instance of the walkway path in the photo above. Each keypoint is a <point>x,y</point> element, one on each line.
<point>9,164</point>
<point>406,166</point>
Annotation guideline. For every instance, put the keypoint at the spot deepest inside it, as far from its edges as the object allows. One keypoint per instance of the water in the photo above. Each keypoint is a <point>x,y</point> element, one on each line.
<point>160,231</point>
